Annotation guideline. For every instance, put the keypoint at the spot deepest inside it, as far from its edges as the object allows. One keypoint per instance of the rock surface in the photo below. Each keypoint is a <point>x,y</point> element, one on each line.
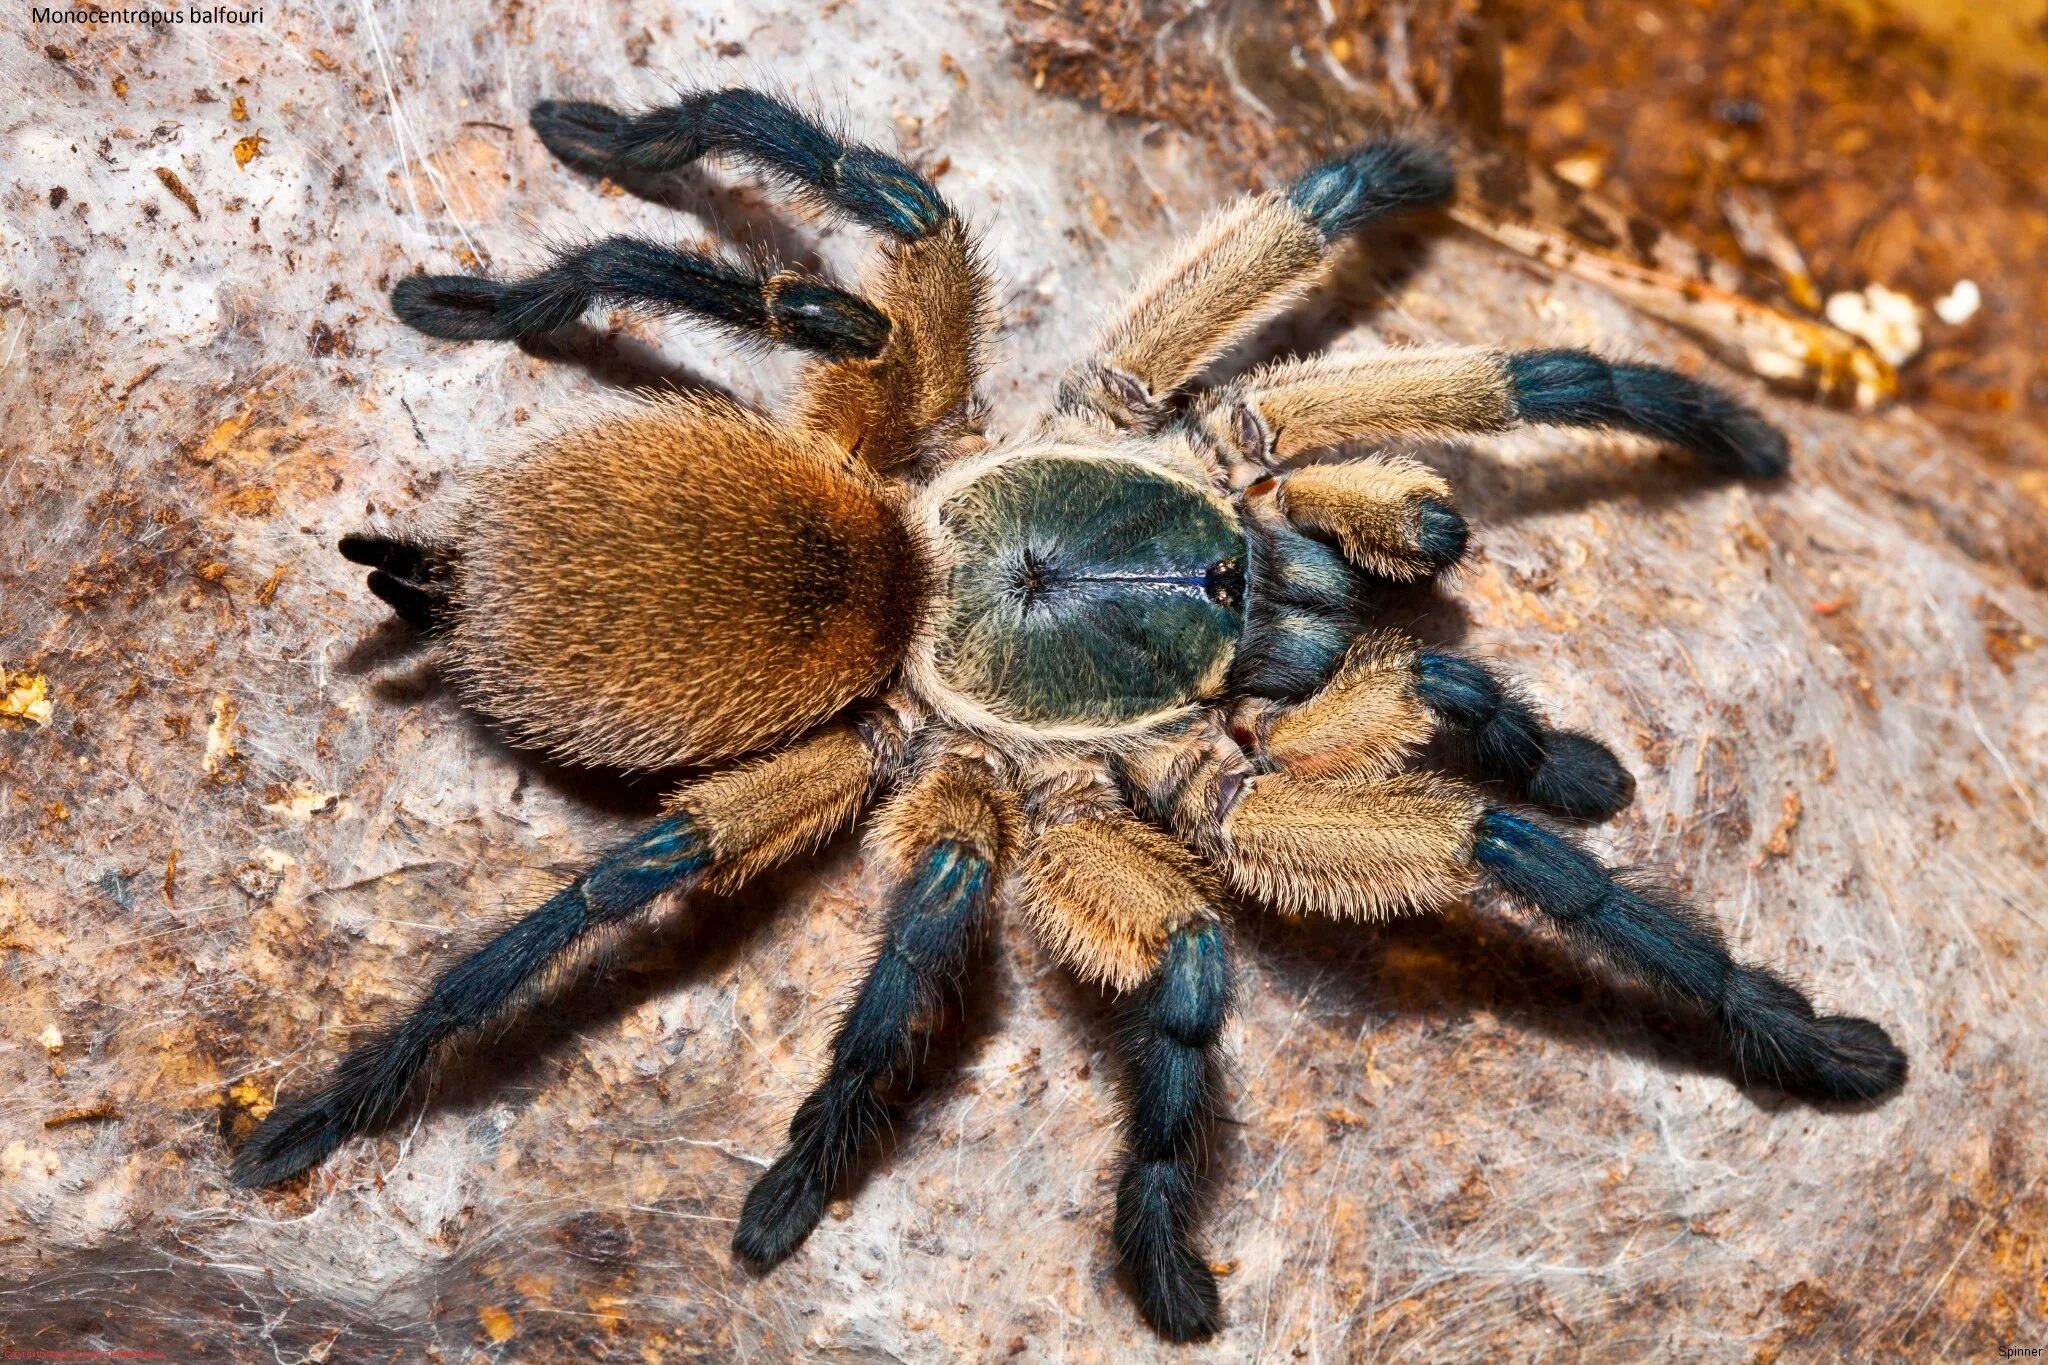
<point>240,815</point>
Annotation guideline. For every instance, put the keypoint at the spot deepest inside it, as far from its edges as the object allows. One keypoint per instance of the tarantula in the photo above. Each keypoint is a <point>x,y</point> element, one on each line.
<point>1120,665</point>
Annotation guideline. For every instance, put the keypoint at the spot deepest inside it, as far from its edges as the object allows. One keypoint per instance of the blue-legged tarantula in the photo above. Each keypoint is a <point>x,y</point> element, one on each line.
<point>1118,665</point>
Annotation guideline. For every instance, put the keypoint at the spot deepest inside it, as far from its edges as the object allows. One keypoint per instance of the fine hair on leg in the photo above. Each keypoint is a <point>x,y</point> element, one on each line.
<point>1168,1046</point>
<point>784,306</point>
<point>869,186</point>
<point>1509,742</point>
<point>931,930</point>
<point>373,1079</point>
<point>945,836</point>
<point>1772,1029</point>
<point>1580,389</point>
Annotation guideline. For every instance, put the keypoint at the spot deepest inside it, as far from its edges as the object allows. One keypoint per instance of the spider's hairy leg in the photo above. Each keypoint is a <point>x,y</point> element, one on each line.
<point>785,306</point>
<point>1579,389</point>
<point>1510,743</point>
<point>718,832</point>
<point>865,184</point>
<point>411,576</point>
<point>1122,904</point>
<point>935,313</point>
<point>1169,1056</point>
<point>946,835</point>
<point>1248,261</point>
<point>1772,1028</point>
<point>935,291</point>
<point>1352,848</point>
<point>1291,407</point>
<point>1390,696</point>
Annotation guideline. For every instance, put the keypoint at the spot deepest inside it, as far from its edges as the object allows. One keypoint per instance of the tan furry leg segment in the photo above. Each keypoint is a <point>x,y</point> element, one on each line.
<point>946,837</point>
<point>1389,516</point>
<point>1099,887</point>
<point>1286,409</point>
<point>1363,724</point>
<point>1359,848</point>
<point>719,830</point>
<point>1246,263</point>
<point>764,813</point>
<point>935,292</point>
<point>1351,849</point>
<point>1243,265</point>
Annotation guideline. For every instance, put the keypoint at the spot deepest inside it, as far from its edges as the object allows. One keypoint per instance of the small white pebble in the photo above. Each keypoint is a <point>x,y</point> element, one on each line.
<point>1959,304</point>
<point>51,1040</point>
<point>1887,319</point>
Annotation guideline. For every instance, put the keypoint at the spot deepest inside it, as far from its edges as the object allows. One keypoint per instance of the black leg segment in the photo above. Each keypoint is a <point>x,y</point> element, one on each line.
<point>1510,744</point>
<point>869,186</point>
<point>1169,1072</point>
<point>1579,389</point>
<point>373,1078</point>
<point>930,932</point>
<point>1771,1027</point>
<point>1441,535</point>
<point>1347,192</point>
<point>784,306</point>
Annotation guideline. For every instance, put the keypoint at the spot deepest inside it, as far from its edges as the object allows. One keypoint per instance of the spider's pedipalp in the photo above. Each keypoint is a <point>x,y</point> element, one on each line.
<point>721,828</point>
<point>1239,268</point>
<point>1389,697</point>
<point>1510,743</point>
<point>1579,389</point>
<point>947,836</point>
<point>1169,1046</point>
<point>1771,1027</point>
<point>784,306</point>
<point>1391,517</point>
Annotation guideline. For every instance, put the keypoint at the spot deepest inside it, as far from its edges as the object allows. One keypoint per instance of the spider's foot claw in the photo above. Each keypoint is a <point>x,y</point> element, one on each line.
<point>1175,1288</point>
<point>1858,1060</point>
<point>1348,191</point>
<point>1177,1295</point>
<point>1581,777</point>
<point>578,132</point>
<point>1779,1040</point>
<point>1757,450</point>
<point>289,1141</point>
<point>781,1209</point>
<point>453,307</point>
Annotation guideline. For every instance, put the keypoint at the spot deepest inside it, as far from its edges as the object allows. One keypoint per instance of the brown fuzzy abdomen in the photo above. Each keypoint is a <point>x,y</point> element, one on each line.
<point>676,586</point>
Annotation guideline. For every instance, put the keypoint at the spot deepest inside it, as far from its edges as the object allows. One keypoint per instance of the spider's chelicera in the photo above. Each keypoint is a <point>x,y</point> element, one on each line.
<point>1118,668</point>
